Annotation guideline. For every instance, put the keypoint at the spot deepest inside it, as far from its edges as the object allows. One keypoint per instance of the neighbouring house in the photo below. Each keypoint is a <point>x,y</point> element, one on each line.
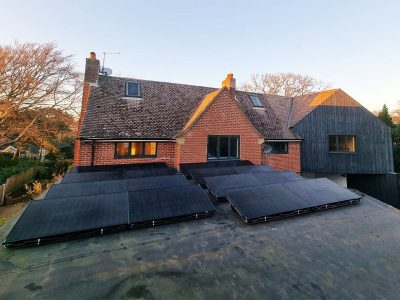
<point>127,121</point>
<point>10,149</point>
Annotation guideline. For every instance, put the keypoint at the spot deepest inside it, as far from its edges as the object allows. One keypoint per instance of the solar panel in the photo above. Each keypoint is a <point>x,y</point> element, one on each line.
<point>47,220</point>
<point>153,207</point>
<point>277,177</point>
<point>321,192</point>
<point>253,169</point>
<point>92,176</point>
<point>85,188</point>
<point>158,182</point>
<point>149,172</point>
<point>187,167</point>
<point>104,168</point>
<point>217,185</point>
<point>199,174</point>
<point>280,200</point>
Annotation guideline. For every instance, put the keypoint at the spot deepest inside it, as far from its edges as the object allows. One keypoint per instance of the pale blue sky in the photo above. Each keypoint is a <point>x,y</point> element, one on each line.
<point>354,45</point>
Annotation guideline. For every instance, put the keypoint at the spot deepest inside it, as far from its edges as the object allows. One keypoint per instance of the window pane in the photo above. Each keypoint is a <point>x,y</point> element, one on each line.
<point>122,149</point>
<point>150,148</point>
<point>342,143</point>
<point>132,89</point>
<point>137,149</point>
<point>351,143</point>
<point>256,101</point>
<point>234,147</point>
<point>212,151</point>
<point>223,147</point>
<point>332,143</point>
<point>279,147</point>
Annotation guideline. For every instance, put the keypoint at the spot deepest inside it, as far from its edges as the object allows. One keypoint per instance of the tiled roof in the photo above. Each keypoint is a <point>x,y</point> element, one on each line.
<point>166,108</point>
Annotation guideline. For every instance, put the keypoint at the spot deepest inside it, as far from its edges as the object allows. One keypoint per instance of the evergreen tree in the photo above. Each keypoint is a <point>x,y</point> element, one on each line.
<point>385,116</point>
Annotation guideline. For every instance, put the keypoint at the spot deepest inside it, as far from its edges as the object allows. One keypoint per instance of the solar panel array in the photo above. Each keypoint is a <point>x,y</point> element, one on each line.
<point>265,203</point>
<point>78,209</point>
<point>187,167</point>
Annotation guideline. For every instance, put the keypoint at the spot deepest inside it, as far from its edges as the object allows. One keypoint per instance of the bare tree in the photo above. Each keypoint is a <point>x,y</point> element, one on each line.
<point>285,84</point>
<point>33,77</point>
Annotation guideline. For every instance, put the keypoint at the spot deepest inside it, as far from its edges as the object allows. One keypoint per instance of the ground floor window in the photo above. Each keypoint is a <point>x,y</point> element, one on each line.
<point>278,147</point>
<point>135,149</point>
<point>342,143</point>
<point>223,147</point>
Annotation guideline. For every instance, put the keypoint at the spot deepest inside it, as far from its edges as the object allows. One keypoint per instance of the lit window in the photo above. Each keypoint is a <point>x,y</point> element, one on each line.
<point>223,147</point>
<point>132,89</point>
<point>256,101</point>
<point>342,143</point>
<point>122,149</point>
<point>135,149</point>
<point>279,147</point>
<point>150,148</point>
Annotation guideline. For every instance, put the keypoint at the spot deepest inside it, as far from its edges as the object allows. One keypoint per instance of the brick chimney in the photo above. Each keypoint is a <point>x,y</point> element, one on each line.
<point>92,69</point>
<point>229,82</point>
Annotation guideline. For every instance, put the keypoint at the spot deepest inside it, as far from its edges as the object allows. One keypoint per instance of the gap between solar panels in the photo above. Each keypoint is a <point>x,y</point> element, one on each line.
<point>263,203</point>
<point>133,203</point>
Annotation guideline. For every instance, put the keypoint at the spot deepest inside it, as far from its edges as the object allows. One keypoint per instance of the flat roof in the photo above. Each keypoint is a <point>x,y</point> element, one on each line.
<point>349,252</point>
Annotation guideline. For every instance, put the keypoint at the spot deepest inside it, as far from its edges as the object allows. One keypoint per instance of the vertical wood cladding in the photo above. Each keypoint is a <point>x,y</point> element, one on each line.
<point>373,141</point>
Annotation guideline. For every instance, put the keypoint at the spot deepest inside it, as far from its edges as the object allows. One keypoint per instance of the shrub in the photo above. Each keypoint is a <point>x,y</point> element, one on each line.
<point>14,166</point>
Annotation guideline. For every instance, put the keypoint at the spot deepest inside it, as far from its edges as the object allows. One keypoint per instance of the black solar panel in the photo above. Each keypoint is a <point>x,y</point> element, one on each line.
<point>152,207</point>
<point>217,185</point>
<point>199,174</point>
<point>277,177</point>
<point>187,167</point>
<point>104,168</point>
<point>320,192</point>
<point>116,175</point>
<point>91,176</point>
<point>269,202</point>
<point>149,172</point>
<point>253,169</point>
<point>158,182</point>
<point>85,188</point>
<point>68,217</point>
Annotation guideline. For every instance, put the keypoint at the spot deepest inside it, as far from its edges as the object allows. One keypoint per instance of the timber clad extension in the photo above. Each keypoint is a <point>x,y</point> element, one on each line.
<point>184,124</point>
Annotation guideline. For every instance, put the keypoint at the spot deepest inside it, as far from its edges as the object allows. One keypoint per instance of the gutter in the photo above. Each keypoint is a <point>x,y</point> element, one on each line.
<point>277,141</point>
<point>126,139</point>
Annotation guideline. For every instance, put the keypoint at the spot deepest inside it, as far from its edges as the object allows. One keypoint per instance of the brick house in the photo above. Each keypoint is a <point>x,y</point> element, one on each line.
<point>128,121</point>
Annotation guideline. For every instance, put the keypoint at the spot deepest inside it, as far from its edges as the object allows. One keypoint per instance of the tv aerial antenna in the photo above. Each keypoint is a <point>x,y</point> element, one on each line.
<point>107,71</point>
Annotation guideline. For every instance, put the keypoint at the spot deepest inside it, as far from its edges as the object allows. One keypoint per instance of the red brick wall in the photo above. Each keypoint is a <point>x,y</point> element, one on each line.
<point>223,117</point>
<point>104,154</point>
<point>290,161</point>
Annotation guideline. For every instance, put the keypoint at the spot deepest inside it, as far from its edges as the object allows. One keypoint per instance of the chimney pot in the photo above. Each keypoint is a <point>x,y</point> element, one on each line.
<point>92,56</point>
<point>229,81</point>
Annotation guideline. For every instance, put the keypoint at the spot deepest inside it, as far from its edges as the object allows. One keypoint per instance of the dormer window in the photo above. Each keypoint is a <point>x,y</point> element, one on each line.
<point>132,89</point>
<point>256,101</point>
